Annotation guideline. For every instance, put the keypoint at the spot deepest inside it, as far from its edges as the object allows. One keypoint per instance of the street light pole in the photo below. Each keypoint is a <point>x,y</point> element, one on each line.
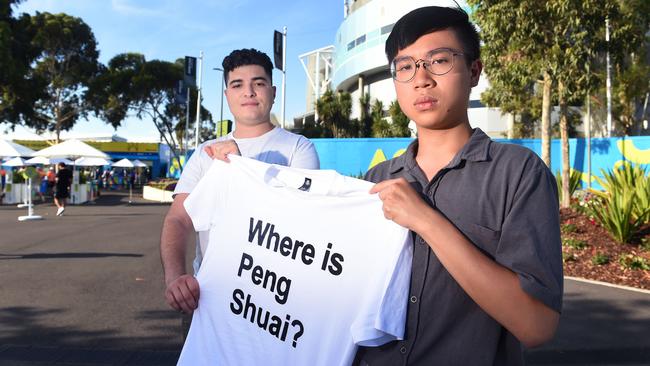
<point>223,81</point>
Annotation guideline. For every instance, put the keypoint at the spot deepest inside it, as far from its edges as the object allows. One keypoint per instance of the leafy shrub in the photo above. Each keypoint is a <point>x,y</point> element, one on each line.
<point>645,244</point>
<point>628,177</point>
<point>632,261</point>
<point>575,178</point>
<point>599,259</point>
<point>574,243</point>
<point>614,213</point>
<point>568,257</point>
<point>624,207</point>
<point>568,228</point>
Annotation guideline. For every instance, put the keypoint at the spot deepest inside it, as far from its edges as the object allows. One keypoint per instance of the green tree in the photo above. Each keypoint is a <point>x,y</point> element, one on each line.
<point>334,111</point>
<point>19,89</point>
<point>380,127</point>
<point>516,36</point>
<point>400,122</point>
<point>131,84</point>
<point>630,24</point>
<point>554,50</point>
<point>365,119</point>
<point>65,65</point>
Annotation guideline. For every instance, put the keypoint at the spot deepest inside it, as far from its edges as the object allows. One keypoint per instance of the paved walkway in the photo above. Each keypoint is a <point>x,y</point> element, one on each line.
<point>86,289</point>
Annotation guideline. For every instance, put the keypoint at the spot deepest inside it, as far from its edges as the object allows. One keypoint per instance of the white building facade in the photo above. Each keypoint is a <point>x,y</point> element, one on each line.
<point>357,63</point>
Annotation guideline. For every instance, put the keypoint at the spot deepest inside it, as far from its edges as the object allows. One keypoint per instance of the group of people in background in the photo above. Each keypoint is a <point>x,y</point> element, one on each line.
<point>56,181</point>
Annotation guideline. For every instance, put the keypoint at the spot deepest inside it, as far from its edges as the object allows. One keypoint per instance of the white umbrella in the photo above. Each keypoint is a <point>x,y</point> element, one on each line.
<point>71,149</point>
<point>124,163</point>
<point>17,161</point>
<point>138,164</point>
<point>8,148</point>
<point>91,162</point>
<point>46,161</point>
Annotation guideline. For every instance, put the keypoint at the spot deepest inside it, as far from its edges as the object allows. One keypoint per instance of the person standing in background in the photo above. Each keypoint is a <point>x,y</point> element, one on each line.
<point>63,182</point>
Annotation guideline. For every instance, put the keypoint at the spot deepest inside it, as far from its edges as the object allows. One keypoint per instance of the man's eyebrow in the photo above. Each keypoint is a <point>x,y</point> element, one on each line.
<point>257,78</point>
<point>235,81</point>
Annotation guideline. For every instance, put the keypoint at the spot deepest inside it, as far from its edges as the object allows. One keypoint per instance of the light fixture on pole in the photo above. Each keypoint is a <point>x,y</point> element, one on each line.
<point>223,81</point>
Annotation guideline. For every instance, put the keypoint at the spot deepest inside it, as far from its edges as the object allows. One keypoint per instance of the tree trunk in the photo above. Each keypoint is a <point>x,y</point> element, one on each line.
<point>546,119</point>
<point>564,133</point>
<point>171,147</point>
<point>511,125</point>
<point>57,124</point>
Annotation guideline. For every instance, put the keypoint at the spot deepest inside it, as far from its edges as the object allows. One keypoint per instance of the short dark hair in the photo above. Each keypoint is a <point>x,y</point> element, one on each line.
<point>430,19</point>
<point>244,57</point>
<point>62,164</point>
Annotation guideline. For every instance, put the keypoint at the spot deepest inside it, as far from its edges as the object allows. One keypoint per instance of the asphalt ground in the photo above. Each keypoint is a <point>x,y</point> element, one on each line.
<point>86,289</point>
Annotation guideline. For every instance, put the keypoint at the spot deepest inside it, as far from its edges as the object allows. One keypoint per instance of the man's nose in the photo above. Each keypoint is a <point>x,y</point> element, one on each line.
<point>250,90</point>
<point>423,78</point>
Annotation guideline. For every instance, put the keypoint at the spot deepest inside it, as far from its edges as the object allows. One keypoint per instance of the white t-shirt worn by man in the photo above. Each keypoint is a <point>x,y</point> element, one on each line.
<point>301,267</point>
<point>277,146</point>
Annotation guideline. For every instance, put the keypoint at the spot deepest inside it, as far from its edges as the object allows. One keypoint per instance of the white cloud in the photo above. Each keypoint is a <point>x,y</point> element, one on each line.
<point>125,7</point>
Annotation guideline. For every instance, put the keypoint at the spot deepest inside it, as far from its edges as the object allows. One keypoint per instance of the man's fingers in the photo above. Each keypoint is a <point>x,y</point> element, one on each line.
<point>382,185</point>
<point>208,150</point>
<point>171,300</point>
<point>183,294</point>
<point>193,287</point>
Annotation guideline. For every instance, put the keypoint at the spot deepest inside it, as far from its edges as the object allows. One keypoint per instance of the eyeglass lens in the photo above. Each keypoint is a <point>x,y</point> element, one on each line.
<point>438,62</point>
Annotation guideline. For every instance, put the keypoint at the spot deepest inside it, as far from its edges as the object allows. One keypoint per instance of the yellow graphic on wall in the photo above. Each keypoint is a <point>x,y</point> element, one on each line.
<point>377,158</point>
<point>399,152</point>
<point>380,157</point>
<point>633,153</point>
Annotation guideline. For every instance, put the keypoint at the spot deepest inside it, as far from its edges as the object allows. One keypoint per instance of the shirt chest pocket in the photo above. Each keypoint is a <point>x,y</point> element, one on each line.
<point>484,238</point>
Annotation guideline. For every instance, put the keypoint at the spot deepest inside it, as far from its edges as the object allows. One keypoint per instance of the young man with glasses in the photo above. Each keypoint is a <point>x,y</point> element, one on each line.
<point>250,94</point>
<point>486,276</point>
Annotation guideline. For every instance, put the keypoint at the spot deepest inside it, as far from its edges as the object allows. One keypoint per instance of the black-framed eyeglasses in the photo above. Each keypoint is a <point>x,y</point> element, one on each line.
<point>437,62</point>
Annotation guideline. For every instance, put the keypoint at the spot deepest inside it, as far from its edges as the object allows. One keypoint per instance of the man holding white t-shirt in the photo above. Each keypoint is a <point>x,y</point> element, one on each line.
<point>250,95</point>
<point>278,287</point>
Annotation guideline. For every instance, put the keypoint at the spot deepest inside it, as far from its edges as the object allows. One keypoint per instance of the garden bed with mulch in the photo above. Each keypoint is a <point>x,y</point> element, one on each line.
<point>590,252</point>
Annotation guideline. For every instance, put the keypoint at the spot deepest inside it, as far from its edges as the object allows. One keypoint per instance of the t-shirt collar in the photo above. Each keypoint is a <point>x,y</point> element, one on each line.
<point>475,150</point>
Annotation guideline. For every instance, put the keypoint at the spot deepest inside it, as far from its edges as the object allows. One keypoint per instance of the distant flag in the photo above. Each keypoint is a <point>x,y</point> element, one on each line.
<point>189,76</point>
<point>180,94</point>
<point>277,50</point>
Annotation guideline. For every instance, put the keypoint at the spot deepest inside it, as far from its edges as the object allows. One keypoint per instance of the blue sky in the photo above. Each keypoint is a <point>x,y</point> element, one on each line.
<point>169,29</point>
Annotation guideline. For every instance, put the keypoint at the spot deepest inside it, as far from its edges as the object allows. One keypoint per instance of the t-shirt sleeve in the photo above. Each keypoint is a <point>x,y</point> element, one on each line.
<point>192,172</point>
<point>383,317</point>
<point>305,156</point>
<point>200,203</point>
<point>530,242</point>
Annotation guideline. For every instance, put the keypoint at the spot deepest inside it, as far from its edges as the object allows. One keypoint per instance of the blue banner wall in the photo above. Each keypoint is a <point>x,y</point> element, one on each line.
<point>355,156</point>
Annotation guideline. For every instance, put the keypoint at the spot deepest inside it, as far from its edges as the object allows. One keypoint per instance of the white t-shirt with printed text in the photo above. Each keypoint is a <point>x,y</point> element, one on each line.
<point>301,267</point>
<point>278,146</point>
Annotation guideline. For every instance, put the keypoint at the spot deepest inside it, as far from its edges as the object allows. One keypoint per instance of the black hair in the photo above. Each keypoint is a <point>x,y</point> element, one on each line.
<point>244,57</point>
<point>62,164</point>
<point>430,19</point>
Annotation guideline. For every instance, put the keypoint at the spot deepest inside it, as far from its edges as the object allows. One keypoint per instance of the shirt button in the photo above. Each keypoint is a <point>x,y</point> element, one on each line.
<point>414,299</point>
<point>421,241</point>
<point>402,350</point>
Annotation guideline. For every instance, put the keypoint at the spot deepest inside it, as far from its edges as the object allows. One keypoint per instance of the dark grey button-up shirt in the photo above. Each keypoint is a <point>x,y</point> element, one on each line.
<point>504,200</point>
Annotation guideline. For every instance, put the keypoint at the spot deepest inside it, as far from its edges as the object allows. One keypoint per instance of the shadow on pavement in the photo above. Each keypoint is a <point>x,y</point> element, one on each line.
<point>597,331</point>
<point>66,255</point>
<point>25,340</point>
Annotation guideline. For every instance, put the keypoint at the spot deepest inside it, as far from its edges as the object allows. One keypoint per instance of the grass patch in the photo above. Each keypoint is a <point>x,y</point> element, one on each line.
<point>631,261</point>
<point>600,259</point>
<point>574,243</point>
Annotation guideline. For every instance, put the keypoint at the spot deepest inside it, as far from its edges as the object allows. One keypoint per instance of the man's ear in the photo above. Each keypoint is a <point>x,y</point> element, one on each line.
<point>475,71</point>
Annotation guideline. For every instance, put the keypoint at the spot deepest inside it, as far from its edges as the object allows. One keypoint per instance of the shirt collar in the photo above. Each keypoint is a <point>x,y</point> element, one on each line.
<point>476,150</point>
